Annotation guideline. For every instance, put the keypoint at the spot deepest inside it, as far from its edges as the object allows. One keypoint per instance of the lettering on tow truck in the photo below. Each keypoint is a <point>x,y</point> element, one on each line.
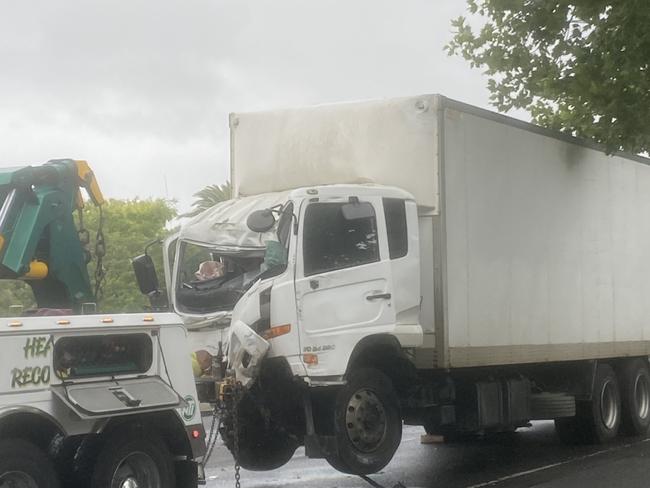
<point>35,347</point>
<point>38,346</point>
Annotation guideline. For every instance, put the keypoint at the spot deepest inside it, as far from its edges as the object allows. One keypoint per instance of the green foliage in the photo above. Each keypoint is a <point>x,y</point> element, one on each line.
<point>209,197</point>
<point>128,226</point>
<point>580,66</point>
<point>16,293</point>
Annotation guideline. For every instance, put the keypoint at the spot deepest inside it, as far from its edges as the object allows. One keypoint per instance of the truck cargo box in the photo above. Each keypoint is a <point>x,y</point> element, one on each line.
<point>535,246</point>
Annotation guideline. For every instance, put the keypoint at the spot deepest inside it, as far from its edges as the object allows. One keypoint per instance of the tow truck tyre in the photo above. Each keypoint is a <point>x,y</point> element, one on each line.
<point>23,465</point>
<point>367,423</point>
<point>634,380</point>
<point>133,460</point>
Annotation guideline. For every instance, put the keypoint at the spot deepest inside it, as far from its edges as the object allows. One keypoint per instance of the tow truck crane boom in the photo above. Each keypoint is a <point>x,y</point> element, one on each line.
<point>39,242</point>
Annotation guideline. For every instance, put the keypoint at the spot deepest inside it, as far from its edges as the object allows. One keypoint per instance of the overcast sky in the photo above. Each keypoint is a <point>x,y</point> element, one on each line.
<point>142,89</point>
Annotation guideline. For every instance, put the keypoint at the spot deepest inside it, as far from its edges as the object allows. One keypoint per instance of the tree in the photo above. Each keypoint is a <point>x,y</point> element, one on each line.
<point>128,226</point>
<point>209,197</point>
<point>580,66</point>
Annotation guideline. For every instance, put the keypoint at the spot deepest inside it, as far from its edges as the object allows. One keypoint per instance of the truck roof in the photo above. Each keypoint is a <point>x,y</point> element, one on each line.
<point>394,142</point>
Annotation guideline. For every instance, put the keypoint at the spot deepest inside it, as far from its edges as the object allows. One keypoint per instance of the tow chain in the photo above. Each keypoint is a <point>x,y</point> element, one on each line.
<point>235,422</point>
<point>228,398</point>
<point>100,249</point>
<point>100,252</point>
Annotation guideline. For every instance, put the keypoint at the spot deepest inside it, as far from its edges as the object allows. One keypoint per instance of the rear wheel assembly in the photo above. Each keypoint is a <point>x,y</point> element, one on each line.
<point>634,380</point>
<point>597,420</point>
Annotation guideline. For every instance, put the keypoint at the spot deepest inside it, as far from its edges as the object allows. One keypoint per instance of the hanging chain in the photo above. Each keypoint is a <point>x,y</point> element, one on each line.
<point>235,420</point>
<point>100,249</point>
<point>100,252</point>
<point>84,237</point>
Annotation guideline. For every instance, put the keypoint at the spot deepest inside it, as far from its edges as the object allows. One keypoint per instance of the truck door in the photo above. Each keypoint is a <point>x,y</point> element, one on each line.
<point>343,279</point>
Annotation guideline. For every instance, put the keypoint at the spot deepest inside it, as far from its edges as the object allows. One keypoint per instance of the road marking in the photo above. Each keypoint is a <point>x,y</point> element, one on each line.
<point>555,465</point>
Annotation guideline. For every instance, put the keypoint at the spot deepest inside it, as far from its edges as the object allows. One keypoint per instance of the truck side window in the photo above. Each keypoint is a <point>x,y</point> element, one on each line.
<point>331,242</point>
<point>395,211</point>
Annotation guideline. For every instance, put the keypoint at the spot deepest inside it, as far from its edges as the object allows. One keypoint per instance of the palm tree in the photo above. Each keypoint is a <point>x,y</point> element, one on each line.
<point>209,197</point>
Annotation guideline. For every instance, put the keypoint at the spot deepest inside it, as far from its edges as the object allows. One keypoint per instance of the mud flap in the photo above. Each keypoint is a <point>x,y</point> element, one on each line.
<point>187,474</point>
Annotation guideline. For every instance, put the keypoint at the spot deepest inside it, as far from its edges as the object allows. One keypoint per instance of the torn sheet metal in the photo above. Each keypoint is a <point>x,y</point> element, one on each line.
<point>224,225</point>
<point>245,351</point>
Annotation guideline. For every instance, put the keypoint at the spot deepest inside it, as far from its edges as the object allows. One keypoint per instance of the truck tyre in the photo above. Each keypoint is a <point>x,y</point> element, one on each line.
<point>598,419</point>
<point>23,465</point>
<point>263,445</point>
<point>133,459</point>
<point>634,380</point>
<point>367,423</point>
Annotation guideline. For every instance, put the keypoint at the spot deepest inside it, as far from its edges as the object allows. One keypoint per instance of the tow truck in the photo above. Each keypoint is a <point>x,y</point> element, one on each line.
<point>86,399</point>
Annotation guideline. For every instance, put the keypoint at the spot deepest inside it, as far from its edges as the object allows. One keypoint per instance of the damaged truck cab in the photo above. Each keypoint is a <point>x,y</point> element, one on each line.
<point>303,286</point>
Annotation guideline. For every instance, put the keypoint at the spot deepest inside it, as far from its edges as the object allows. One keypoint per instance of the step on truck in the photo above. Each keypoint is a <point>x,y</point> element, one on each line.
<point>86,400</point>
<point>419,261</point>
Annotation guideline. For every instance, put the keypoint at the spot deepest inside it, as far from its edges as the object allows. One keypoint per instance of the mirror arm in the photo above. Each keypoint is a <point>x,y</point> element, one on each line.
<point>150,244</point>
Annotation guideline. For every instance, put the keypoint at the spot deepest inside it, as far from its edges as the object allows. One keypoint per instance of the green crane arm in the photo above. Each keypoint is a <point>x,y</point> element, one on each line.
<point>39,241</point>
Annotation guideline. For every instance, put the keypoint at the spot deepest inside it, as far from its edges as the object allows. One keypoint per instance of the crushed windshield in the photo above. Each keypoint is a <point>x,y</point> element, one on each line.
<point>210,279</point>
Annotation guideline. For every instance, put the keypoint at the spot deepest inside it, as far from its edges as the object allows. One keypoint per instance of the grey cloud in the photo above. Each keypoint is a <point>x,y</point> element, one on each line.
<point>142,89</point>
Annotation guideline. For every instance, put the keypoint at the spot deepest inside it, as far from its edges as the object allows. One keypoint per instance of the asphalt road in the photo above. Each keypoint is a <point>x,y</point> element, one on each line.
<point>530,457</point>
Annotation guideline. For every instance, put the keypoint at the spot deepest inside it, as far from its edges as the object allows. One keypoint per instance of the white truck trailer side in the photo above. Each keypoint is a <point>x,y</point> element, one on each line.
<point>431,262</point>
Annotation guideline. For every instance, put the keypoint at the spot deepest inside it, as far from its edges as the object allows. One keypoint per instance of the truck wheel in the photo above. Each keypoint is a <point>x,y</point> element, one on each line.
<point>598,420</point>
<point>23,465</point>
<point>267,454</point>
<point>367,423</point>
<point>263,445</point>
<point>130,460</point>
<point>634,379</point>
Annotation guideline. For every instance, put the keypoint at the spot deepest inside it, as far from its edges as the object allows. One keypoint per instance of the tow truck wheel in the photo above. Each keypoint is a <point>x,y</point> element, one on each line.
<point>367,423</point>
<point>133,460</point>
<point>23,465</point>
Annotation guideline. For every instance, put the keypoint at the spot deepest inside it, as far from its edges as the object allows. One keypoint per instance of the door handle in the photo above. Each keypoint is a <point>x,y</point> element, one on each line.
<point>379,296</point>
<point>122,395</point>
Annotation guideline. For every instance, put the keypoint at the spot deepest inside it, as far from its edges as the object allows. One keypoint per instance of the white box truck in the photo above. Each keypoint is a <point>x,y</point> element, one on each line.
<point>424,261</point>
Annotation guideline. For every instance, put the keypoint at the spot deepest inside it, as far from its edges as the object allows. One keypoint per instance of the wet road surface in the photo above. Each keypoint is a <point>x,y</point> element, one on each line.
<point>530,457</point>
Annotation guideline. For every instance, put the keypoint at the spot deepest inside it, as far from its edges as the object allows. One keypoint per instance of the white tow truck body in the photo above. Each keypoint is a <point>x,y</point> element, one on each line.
<point>70,382</point>
<point>491,271</point>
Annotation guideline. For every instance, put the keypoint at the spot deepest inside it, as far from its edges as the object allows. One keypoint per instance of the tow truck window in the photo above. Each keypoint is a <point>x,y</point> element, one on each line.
<point>395,211</point>
<point>102,355</point>
<point>331,242</point>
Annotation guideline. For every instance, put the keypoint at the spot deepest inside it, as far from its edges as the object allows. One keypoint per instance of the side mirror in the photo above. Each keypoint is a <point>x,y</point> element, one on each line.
<point>261,220</point>
<point>357,210</point>
<point>145,274</point>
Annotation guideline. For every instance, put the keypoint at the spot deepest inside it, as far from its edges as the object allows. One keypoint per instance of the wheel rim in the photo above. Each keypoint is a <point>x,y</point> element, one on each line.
<point>366,420</point>
<point>608,405</point>
<point>136,470</point>
<point>17,479</point>
<point>642,396</point>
